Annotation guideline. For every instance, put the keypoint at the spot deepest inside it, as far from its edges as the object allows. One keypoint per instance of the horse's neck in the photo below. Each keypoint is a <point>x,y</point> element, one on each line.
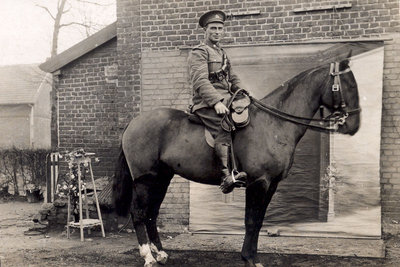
<point>301,95</point>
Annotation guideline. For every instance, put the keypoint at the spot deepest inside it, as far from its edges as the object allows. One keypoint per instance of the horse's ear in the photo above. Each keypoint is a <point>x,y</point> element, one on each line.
<point>345,63</point>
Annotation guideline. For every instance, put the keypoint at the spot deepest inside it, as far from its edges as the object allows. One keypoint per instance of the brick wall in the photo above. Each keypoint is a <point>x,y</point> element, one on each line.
<point>390,142</point>
<point>152,33</point>
<point>174,211</point>
<point>164,79</point>
<point>172,24</point>
<point>87,107</point>
<point>128,51</point>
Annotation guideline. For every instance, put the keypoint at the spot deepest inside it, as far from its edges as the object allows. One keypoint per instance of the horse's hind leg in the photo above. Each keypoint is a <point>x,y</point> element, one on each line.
<point>139,211</point>
<point>157,196</point>
<point>144,247</point>
<point>148,193</point>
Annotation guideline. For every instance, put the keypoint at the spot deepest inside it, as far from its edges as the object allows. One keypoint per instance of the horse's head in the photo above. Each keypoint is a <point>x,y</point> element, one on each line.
<point>341,97</point>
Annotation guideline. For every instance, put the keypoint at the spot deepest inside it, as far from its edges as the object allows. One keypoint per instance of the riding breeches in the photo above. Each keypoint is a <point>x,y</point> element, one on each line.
<point>212,121</point>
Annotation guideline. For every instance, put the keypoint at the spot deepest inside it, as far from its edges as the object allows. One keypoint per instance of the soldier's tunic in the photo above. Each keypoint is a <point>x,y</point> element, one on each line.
<point>207,58</point>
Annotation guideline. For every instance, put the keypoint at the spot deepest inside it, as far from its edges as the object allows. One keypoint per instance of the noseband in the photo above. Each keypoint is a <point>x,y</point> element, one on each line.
<point>333,121</point>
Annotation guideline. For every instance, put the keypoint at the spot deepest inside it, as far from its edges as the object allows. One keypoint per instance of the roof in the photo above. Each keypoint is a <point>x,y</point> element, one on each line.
<point>57,62</point>
<point>20,83</point>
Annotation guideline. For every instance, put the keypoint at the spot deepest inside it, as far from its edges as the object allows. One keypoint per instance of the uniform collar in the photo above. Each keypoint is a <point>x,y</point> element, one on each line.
<point>210,44</point>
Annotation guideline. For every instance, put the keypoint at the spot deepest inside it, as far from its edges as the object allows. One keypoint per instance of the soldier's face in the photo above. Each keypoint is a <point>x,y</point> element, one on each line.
<point>214,32</point>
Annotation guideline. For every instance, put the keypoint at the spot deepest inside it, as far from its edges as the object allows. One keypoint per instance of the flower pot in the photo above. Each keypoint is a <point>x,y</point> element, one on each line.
<point>76,217</point>
<point>33,196</point>
<point>4,190</point>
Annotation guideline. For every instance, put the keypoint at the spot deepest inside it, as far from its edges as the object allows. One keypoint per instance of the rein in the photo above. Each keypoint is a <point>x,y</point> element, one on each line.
<point>336,118</point>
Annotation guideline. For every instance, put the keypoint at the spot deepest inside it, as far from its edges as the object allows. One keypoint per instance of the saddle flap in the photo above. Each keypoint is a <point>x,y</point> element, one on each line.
<point>193,118</point>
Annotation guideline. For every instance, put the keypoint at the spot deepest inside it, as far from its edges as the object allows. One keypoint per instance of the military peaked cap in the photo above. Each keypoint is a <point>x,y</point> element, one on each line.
<point>212,16</point>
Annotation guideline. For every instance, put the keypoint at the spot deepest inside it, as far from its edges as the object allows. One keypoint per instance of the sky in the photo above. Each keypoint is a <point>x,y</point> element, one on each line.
<point>26,29</point>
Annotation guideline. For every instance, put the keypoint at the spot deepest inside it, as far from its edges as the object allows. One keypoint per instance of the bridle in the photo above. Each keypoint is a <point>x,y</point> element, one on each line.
<point>329,123</point>
<point>341,111</point>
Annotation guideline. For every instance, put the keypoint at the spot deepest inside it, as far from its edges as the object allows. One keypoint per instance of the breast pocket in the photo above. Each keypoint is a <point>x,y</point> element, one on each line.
<point>214,65</point>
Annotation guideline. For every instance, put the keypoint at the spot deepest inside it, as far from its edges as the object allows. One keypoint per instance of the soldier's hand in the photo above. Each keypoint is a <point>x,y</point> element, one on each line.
<point>220,108</point>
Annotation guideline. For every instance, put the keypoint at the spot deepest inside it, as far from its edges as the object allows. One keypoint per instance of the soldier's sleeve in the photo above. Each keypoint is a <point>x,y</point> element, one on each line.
<point>198,71</point>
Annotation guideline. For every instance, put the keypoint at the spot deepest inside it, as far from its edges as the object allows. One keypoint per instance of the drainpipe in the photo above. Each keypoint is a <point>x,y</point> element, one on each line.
<point>58,121</point>
<point>31,127</point>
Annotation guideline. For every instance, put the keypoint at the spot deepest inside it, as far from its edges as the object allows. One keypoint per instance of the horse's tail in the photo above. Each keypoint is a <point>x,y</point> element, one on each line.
<point>122,186</point>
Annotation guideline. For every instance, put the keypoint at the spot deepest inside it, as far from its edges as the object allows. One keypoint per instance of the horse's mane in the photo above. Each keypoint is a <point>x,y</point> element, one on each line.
<point>286,88</point>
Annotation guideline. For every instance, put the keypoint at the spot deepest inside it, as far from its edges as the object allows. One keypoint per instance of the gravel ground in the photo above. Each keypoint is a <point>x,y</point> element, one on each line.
<point>120,249</point>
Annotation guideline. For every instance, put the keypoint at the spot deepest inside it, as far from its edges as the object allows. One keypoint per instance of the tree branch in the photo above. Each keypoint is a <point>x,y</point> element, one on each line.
<point>66,11</point>
<point>47,10</point>
<point>74,23</point>
<point>94,3</point>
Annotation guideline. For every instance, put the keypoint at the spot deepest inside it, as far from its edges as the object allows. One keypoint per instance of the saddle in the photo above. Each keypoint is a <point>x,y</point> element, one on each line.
<point>208,136</point>
<point>238,117</point>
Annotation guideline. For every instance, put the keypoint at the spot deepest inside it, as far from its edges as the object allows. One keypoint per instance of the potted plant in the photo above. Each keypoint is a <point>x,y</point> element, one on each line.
<point>69,186</point>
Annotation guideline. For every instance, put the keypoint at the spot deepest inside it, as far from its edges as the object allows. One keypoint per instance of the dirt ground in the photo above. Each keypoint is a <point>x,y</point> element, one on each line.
<point>120,249</point>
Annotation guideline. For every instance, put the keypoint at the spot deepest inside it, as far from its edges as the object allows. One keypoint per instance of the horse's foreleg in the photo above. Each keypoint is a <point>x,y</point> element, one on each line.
<point>258,196</point>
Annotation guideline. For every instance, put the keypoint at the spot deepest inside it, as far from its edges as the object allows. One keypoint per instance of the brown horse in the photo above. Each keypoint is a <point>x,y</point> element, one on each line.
<point>159,144</point>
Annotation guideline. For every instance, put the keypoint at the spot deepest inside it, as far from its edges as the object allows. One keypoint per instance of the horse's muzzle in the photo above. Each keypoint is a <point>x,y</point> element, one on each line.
<point>351,126</point>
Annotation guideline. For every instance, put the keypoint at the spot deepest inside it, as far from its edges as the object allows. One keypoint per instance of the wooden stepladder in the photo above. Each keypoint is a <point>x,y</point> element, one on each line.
<point>82,161</point>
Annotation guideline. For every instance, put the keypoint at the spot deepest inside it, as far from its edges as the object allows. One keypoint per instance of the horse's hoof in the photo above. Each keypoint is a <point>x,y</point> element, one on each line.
<point>162,257</point>
<point>252,264</point>
<point>145,253</point>
<point>151,263</point>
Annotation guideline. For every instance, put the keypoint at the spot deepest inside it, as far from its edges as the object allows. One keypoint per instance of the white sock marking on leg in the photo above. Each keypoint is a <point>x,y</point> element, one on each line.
<point>145,253</point>
<point>162,256</point>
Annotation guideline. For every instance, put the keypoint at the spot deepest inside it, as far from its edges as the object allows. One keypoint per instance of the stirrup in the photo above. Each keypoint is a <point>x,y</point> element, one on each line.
<point>239,178</point>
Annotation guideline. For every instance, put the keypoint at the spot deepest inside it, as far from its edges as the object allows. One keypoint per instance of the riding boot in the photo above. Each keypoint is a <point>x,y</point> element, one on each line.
<point>229,180</point>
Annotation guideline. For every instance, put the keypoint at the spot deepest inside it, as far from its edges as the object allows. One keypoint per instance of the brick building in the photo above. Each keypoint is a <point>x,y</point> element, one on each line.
<point>139,63</point>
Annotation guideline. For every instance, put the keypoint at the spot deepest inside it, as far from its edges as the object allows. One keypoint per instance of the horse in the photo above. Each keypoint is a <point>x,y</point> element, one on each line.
<point>159,144</point>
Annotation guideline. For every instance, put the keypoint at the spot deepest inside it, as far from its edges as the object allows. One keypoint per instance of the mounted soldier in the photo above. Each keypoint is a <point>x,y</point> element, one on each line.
<point>214,82</point>
<point>159,144</point>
